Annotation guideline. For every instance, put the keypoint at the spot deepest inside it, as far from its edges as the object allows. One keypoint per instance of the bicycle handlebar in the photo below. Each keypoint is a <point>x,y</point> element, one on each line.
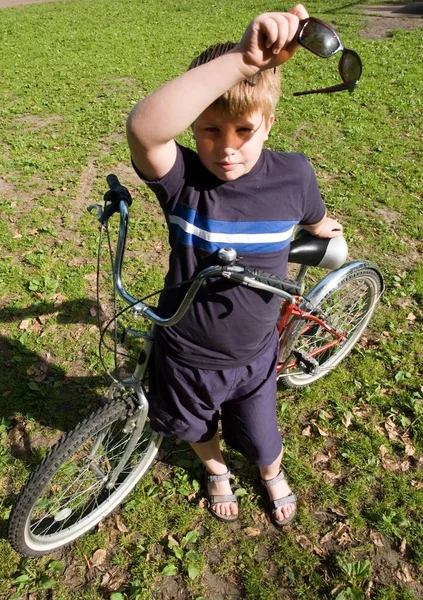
<point>254,278</point>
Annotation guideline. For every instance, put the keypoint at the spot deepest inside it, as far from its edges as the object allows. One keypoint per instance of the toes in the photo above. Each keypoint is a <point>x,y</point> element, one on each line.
<point>284,512</point>
<point>227,509</point>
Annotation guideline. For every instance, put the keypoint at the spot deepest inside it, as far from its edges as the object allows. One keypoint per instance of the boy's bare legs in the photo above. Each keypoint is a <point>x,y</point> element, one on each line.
<point>210,455</point>
<point>279,490</point>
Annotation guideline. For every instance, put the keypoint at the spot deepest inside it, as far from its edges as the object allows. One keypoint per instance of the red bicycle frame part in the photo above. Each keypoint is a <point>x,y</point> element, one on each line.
<point>288,311</point>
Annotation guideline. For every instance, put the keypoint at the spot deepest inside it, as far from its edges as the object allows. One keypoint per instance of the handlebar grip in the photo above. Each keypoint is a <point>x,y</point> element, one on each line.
<point>114,196</point>
<point>112,181</point>
<point>281,283</point>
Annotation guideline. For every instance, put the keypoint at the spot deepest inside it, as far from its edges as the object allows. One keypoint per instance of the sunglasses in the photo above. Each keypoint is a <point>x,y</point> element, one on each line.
<point>319,37</point>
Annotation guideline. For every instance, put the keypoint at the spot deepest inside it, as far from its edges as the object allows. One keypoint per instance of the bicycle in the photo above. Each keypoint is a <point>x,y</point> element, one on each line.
<point>93,468</point>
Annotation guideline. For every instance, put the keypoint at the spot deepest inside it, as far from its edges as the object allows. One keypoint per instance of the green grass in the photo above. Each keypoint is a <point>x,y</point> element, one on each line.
<point>71,71</point>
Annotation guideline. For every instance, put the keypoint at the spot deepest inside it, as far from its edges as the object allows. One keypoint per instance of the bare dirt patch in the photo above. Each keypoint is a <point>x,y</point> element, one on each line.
<point>34,122</point>
<point>383,19</point>
<point>11,3</point>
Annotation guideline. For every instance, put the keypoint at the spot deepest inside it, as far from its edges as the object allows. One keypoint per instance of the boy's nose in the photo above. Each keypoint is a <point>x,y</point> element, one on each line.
<point>229,142</point>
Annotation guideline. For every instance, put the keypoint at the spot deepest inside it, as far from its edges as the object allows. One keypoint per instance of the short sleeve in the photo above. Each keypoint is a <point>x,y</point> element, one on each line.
<point>313,208</point>
<point>168,188</point>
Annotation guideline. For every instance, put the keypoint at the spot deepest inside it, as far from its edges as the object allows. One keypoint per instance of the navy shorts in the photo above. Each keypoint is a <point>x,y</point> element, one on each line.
<point>188,402</point>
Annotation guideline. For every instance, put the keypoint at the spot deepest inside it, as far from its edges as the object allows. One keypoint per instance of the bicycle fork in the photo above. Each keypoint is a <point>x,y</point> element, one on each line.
<point>135,423</point>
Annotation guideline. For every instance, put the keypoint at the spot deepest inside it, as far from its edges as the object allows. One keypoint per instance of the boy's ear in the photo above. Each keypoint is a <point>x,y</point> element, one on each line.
<point>269,124</point>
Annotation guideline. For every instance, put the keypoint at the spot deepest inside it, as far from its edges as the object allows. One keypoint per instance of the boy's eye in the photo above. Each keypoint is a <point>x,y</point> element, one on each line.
<point>211,129</point>
<point>244,130</point>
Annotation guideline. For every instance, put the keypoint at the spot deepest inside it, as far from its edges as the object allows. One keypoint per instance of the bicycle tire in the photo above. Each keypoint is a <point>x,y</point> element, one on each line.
<point>51,510</point>
<point>346,299</point>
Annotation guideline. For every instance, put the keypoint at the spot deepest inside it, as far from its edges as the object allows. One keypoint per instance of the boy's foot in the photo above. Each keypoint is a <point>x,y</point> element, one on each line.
<point>222,503</point>
<point>283,503</point>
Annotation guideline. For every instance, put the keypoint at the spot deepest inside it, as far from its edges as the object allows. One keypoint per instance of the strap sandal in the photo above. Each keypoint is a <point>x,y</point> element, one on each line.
<point>219,498</point>
<point>274,504</point>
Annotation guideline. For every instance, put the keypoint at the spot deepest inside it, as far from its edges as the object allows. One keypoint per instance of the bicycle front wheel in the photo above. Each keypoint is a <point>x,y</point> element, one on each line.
<point>68,493</point>
<point>345,301</point>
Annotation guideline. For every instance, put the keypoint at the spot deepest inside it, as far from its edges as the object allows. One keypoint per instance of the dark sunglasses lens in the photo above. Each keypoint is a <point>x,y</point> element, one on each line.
<point>350,67</point>
<point>319,38</point>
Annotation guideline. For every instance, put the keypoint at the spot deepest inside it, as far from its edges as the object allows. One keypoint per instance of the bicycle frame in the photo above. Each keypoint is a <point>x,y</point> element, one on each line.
<point>289,311</point>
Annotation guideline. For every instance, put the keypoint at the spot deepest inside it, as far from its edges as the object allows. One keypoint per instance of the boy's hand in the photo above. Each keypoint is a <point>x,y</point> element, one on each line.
<point>326,228</point>
<point>269,40</point>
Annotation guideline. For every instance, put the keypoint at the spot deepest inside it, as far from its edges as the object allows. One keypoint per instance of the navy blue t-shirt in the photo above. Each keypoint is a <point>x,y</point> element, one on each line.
<point>229,325</point>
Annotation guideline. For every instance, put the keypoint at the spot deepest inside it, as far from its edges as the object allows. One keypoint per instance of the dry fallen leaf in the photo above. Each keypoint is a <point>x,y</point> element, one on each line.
<point>307,431</point>
<point>172,540</point>
<point>409,449</point>
<point>340,533</point>
<point>59,298</point>
<point>319,551</point>
<point>328,476</point>
<point>417,484</point>
<point>346,420</point>
<point>405,466</point>
<point>391,429</point>
<point>252,531</point>
<point>403,574</point>
<point>338,510</point>
<point>120,524</point>
<point>403,546</point>
<point>368,591</point>
<point>340,530</point>
<point>304,542</point>
<point>320,457</point>
<point>23,325</point>
<point>326,538</point>
<point>37,327</point>
<point>323,432</point>
<point>388,463</point>
<point>261,519</point>
<point>98,557</point>
<point>38,371</point>
<point>376,538</point>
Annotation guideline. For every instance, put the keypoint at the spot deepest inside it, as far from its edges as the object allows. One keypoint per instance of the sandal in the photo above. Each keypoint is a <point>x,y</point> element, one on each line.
<point>274,504</point>
<point>217,498</point>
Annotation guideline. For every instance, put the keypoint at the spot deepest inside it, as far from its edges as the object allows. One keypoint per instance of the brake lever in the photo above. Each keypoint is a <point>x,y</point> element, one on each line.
<point>96,208</point>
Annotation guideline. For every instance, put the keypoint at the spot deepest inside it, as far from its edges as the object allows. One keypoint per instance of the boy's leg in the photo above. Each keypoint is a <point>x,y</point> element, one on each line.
<point>279,490</point>
<point>211,456</point>
<point>249,424</point>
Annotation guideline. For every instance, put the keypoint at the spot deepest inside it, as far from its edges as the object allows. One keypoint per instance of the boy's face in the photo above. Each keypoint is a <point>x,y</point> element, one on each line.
<point>230,146</point>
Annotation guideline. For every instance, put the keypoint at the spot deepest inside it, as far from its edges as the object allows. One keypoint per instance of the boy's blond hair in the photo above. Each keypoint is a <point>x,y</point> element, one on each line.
<point>260,92</point>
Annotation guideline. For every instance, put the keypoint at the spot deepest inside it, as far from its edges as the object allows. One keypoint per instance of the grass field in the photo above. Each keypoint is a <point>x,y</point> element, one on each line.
<point>71,71</point>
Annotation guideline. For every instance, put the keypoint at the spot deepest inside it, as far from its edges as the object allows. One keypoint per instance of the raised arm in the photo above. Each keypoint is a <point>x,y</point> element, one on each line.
<point>156,120</point>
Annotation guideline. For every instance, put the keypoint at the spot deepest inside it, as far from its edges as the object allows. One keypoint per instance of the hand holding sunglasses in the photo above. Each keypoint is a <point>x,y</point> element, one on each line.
<point>321,39</point>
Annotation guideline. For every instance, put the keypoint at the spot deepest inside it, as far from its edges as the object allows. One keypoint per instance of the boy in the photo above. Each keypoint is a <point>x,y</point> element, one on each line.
<point>221,358</point>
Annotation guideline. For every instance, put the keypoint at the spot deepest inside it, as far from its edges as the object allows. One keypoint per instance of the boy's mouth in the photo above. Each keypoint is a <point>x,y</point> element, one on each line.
<point>227,166</point>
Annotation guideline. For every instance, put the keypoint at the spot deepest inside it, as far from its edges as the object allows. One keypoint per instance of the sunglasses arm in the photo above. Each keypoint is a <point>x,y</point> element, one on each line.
<point>327,90</point>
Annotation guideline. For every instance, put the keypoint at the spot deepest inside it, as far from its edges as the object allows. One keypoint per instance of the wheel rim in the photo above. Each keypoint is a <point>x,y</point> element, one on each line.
<point>347,310</point>
<point>76,498</point>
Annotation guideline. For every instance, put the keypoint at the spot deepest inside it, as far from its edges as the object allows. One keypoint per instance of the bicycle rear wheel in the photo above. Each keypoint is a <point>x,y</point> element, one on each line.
<point>67,494</point>
<point>345,301</point>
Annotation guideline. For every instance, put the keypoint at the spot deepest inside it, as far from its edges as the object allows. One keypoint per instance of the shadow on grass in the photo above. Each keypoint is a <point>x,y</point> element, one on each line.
<point>33,387</point>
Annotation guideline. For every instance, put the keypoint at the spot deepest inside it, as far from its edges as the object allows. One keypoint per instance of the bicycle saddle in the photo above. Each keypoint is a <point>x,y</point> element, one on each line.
<point>327,253</point>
